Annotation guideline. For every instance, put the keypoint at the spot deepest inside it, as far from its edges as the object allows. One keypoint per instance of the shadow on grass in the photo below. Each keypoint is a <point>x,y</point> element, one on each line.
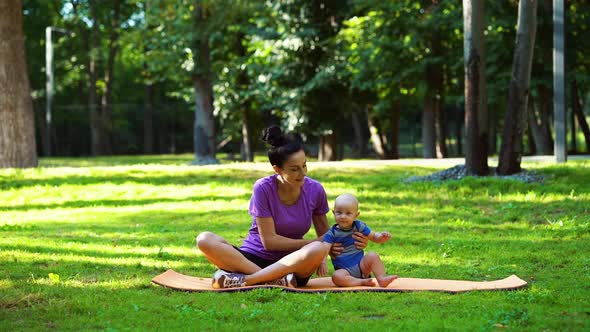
<point>148,224</point>
<point>114,251</point>
<point>184,159</point>
<point>120,239</point>
<point>121,236</point>
<point>77,204</point>
<point>197,177</point>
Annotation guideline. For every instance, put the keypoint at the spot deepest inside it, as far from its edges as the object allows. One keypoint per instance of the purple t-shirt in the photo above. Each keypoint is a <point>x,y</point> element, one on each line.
<point>292,221</point>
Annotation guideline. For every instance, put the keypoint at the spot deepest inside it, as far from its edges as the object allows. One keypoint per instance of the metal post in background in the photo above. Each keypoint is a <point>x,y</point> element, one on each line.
<point>49,85</point>
<point>48,90</point>
<point>559,81</point>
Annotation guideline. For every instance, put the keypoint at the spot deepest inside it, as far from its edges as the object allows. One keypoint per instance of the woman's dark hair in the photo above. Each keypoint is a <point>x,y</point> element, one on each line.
<point>281,145</point>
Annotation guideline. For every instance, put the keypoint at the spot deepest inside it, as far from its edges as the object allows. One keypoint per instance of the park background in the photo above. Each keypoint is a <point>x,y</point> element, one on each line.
<point>138,85</point>
<point>359,79</point>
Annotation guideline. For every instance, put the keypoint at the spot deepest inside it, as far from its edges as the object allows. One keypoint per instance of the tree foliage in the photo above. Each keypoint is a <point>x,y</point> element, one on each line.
<point>354,69</point>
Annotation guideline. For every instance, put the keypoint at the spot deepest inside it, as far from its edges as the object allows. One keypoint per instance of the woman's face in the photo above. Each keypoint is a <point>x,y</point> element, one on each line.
<point>294,169</point>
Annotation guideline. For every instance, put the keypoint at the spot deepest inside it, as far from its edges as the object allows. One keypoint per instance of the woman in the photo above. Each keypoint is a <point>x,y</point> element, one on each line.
<point>283,208</point>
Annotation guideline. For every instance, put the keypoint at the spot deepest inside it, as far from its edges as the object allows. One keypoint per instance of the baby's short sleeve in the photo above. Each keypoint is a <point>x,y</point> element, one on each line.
<point>329,236</point>
<point>363,228</point>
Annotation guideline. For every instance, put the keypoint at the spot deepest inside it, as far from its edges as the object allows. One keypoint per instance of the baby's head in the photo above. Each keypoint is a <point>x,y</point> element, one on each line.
<point>346,200</point>
<point>346,210</point>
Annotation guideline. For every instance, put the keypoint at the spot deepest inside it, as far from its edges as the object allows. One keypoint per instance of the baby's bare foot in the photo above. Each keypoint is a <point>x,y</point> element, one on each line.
<point>369,282</point>
<point>386,280</point>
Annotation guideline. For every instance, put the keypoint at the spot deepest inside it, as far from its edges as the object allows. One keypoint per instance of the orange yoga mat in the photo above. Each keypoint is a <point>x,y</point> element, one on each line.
<point>175,280</point>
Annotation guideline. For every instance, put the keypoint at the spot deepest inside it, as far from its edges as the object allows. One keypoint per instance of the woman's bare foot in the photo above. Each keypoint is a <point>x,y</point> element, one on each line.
<point>384,281</point>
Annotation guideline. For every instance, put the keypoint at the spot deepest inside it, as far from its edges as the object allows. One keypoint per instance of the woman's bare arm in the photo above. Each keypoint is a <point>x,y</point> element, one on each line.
<point>320,223</point>
<point>275,242</point>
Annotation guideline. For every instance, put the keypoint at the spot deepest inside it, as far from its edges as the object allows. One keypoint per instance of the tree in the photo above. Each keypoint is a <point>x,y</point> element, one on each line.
<point>518,93</point>
<point>432,110</point>
<point>237,69</point>
<point>109,73</point>
<point>437,29</point>
<point>204,128</point>
<point>92,43</point>
<point>317,102</point>
<point>17,131</point>
<point>540,110</point>
<point>186,29</point>
<point>37,16</point>
<point>377,71</point>
<point>476,116</point>
<point>577,110</point>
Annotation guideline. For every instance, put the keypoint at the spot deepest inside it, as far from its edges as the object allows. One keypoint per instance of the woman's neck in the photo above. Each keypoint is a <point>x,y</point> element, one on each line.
<point>287,193</point>
<point>285,187</point>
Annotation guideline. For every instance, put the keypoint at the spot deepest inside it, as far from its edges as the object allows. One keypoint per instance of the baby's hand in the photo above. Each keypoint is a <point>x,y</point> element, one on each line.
<point>384,237</point>
<point>322,270</point>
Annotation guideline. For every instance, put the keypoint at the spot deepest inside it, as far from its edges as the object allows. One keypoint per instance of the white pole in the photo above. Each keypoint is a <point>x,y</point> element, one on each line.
<point>49,83</point>
<point>48,88</point>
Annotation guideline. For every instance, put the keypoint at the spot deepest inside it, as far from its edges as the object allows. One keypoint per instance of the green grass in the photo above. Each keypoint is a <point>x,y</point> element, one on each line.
<point>80,241</point>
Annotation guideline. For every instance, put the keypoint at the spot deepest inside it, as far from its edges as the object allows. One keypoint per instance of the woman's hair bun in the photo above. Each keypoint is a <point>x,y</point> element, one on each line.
<point>273,136</point>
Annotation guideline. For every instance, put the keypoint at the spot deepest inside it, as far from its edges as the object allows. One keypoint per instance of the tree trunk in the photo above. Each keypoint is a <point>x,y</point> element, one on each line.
<point>573,131</point>
<point>360,141</point>
<point>204,127</point>
<point>172,127</point>
<point>476,114</point>
<point>394,137</point>
<point>437,91</point>
<point>379,145</point>
<point>148,119</point>
<point>149,93</point>
<point>534,128</point>
<point>544,121</point>
<point>458,121</point>
<point>106,99</point>
<point>531,142</point>
<point>492,134</point>
<point>96,126</point>
<point>41,125</point>
<point>328,147</point>
<point>577,109</point>
<point>17,123</point>
<point>543,105</point>
<point>428,128</point>
<point>514,120</point>
<point>431,105</point>
<point>247,151</point>
<point>441,131</point>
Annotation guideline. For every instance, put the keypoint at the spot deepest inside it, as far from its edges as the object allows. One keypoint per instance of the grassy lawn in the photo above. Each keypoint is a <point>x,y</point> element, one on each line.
<point>80,241</point>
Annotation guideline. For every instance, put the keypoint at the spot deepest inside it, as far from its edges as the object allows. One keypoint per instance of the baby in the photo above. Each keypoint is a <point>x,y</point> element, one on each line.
<point>352,267</point>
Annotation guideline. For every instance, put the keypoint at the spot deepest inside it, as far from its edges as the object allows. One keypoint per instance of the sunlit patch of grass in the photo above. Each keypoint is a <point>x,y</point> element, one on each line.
<point>80,241</point>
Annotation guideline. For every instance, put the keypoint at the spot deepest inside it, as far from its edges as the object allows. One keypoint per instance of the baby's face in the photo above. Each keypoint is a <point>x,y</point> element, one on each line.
<point>345,214</point>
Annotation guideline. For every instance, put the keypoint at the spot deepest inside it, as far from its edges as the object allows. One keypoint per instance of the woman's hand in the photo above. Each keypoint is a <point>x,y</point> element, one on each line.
<point>336,249</point>
<point>360,240</point>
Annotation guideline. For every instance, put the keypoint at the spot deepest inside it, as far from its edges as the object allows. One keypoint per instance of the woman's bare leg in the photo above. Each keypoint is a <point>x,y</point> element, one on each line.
<point>223,255</point>
<point>303,263</point>
<point>372,263</point>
